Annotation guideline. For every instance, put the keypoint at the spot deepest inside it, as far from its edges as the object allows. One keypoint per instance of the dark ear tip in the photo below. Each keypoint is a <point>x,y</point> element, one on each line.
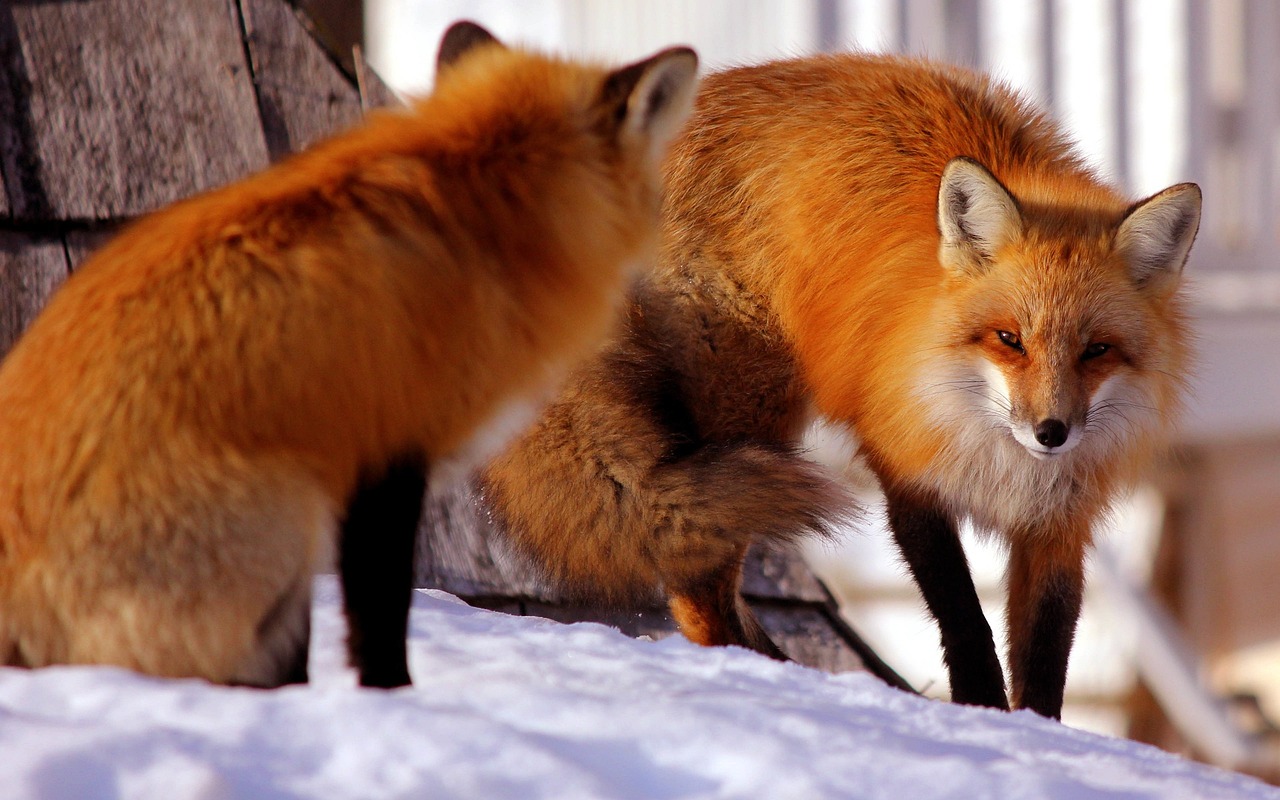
<point>681,59</point>
<point>1182,188</point>
<point>460,38</point>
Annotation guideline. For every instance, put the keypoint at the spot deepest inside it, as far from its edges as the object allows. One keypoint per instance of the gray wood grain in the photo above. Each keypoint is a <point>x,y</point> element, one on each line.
<point>804,633</point>
<point>116,107</point>
<point>302,94</point>
<point>337,24</point>
<point>30,269</point>
<point>458,551</point>
<point>655,623</point>
<point>5,146</point>
<point>780,573</point>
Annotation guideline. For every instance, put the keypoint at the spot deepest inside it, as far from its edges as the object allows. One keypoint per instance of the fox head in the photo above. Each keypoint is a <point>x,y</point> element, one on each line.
<point>568,154</point>
<point>1064,317</point>
<point>636,109</point>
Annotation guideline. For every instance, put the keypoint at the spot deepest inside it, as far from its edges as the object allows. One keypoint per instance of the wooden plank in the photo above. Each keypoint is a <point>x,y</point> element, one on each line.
<point>30,269</point>
<point>124,105</point>
<point>460,553</point>
<point>803,631</point>
<point>780,573</point>
<point>373,92</point>
<point>17,169</point>
<point>871,660</point>
<point>654,623</point>
<point>805,634</point>
<point>338,25</point>
<point>6,127</point>
<point>302,94</point>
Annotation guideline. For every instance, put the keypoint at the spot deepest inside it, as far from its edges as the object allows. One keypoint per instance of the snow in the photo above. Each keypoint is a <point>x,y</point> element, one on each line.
<point>519,707</point>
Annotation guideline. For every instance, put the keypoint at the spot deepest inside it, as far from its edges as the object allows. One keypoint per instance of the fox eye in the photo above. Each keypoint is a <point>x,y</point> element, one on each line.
<point>1094,350</point>
<point>1011,339</point>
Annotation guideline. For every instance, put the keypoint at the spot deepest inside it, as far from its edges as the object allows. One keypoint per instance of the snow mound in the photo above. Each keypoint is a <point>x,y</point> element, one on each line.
<point>517,707</point>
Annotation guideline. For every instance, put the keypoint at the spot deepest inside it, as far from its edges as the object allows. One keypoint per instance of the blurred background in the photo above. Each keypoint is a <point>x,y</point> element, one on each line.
<point>1180,641</point>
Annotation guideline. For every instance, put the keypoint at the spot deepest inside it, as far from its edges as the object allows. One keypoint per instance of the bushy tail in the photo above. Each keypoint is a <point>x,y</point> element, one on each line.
<point>621,530</point>
<point>722,499</point>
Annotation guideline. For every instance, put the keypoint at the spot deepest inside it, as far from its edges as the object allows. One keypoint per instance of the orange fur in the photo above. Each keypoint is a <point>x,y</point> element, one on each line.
<point>805,274</point>
<point>186,421</point>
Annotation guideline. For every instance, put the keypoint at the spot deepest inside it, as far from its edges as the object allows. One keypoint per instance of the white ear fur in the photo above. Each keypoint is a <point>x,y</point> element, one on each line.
<point>1157,234</point>
<point>976,215</point>
<point>660,98</point>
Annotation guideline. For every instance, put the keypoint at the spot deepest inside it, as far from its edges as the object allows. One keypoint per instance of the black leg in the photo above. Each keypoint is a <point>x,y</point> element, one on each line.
<point>1046,587</point>
<point>931,547</point>
<point>376,566</point>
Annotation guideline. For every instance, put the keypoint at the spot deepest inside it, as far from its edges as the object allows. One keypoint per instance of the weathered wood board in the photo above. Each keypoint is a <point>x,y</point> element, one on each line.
<point>116,107</point>
<point>457,552</point>
<point>31,267</point>
<point>802,631</point>
<point>302,94</point>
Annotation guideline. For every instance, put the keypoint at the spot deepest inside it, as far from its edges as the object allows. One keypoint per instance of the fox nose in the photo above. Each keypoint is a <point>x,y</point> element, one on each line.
<point>1051,432</point>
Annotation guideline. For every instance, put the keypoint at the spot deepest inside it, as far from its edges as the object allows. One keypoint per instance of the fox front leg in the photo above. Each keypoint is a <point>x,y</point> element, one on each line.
<point>376,566</point>
<point>928,541</point>
<point>1046,586</point>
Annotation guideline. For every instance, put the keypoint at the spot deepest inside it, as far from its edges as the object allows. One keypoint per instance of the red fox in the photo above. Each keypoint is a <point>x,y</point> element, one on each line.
<point>242,381</point>
<point>906,251</point>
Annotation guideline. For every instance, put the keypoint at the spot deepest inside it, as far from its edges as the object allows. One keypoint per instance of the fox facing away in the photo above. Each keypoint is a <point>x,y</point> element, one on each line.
<point>248,384</point>
<point>906,251</point>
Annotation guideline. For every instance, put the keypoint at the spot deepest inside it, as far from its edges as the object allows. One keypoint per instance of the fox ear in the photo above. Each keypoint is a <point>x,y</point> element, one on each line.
<point>461,37</point>
<point>1157,233</point>
<point>976,216</point>
<point>649,100</point>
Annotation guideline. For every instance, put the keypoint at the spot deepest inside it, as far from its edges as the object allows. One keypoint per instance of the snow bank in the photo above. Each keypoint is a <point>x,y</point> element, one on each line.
<point>509,707</point>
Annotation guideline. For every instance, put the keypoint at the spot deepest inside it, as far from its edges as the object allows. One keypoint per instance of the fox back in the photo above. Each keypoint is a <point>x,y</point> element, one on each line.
<point>233,379</point>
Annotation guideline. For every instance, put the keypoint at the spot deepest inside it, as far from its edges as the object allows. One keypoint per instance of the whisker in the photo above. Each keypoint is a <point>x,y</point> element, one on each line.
<point>976,387</point>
